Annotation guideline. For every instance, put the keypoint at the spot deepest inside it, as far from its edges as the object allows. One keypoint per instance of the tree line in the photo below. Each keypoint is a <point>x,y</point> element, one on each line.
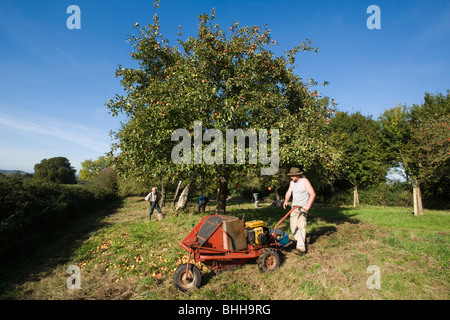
<point>413,140</point>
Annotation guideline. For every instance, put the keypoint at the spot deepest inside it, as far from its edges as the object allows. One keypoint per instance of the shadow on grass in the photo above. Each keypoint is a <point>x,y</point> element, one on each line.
<point>323,221</point>
<point>50,249</point>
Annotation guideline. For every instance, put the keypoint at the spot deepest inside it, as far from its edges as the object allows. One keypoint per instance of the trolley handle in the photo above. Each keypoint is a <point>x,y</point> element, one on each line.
<point>279,222</point>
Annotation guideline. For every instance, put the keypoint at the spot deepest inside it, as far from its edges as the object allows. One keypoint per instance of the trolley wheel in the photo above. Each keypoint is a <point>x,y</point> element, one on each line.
<point>268,260</point>
<point>186,281</point>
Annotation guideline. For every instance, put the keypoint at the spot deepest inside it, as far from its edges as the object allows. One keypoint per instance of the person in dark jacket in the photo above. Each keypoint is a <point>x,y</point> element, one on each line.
<point>202,201</point>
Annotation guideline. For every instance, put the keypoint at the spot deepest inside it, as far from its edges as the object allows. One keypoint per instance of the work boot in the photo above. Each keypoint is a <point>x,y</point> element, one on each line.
<point>299,251</point>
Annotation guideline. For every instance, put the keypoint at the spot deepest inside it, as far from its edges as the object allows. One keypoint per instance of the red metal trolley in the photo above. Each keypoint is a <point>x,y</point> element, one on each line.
<point>223,242</point>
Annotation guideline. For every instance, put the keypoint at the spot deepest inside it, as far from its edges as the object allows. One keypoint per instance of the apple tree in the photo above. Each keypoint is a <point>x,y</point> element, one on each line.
<point>220,79</point>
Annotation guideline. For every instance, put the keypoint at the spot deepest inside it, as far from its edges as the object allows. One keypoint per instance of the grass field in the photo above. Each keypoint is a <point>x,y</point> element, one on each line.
<point>124,256</point>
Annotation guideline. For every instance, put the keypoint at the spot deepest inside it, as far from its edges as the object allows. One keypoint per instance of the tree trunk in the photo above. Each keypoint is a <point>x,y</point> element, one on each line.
<point>176,194</point>
<point>182,202</point>
<point>419,201</point>
<point>222,193</point>
<point>201,185</point>
<point>277,194</point>
<point>355,197</point>
<point>417,198</point>
<point>163,196</point>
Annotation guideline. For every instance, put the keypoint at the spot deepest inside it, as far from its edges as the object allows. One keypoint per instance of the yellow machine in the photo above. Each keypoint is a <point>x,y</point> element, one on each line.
<point>254,224</point>
<point>255,232</point>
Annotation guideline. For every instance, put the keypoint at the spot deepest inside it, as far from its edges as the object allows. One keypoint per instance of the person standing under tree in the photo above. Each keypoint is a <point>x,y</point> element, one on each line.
<point>303,196</point>
<point>202,201</point>
<point>152,198</point>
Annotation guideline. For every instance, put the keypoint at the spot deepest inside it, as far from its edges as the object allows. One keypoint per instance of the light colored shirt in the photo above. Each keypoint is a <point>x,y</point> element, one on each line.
<point>151,197</point>
<point>300,196</point>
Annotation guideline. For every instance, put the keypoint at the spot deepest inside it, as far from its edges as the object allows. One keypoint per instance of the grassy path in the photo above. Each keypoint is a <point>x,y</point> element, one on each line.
<point>124,256</point>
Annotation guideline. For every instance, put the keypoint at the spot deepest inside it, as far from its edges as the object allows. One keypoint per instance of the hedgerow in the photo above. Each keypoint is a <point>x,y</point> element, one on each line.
<point>30,208</point>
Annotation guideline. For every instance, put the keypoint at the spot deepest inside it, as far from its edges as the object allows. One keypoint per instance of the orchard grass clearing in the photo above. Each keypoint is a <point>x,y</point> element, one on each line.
<point>124,256</point>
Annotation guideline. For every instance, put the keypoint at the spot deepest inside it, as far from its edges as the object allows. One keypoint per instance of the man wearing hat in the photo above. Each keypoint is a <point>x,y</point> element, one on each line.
<point>303,195</point>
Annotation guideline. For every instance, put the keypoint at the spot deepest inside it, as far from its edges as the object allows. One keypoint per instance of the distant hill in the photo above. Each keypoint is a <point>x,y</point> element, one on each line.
<point>9,172</point>
<point>12,171</point>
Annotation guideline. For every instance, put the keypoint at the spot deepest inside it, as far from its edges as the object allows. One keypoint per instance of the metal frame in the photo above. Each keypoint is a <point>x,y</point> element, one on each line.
<point>215,256</point>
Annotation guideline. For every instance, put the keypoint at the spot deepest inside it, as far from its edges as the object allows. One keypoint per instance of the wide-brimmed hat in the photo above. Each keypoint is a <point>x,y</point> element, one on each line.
<point>295,172</point>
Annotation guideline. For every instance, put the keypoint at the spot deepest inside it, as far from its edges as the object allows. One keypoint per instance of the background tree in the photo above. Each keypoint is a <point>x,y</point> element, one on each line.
<point>278,183</point>
<point>418,137</point>
<point>57,169</point>
<point>106,181</point>
<point>90,168</point>
<point>430,136</point>
<point>101,175</point>
<point>363,158</point>
<point>224,81</point>
<point>396,128</point>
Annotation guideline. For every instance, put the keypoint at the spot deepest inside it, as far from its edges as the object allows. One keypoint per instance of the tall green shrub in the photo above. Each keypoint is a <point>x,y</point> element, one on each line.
<point>29,208</point>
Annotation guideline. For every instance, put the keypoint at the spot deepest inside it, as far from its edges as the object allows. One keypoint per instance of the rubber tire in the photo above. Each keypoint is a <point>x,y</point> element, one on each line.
<point>192,283</point>
<point>269,260</point>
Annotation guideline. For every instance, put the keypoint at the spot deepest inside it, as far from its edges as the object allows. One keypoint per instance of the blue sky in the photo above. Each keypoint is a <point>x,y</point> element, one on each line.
<point>55,82</point>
